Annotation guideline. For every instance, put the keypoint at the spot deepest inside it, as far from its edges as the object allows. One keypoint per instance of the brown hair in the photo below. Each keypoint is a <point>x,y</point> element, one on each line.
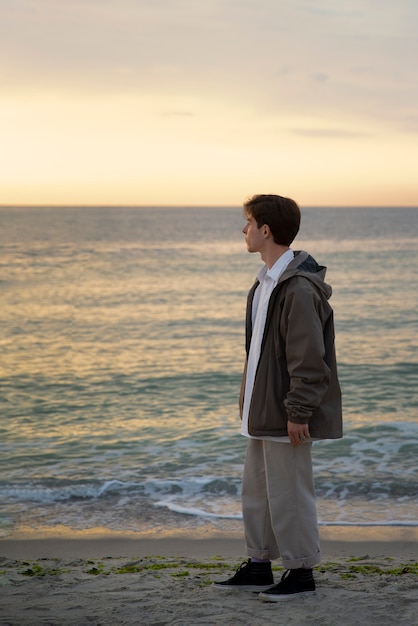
<point>282,215</point>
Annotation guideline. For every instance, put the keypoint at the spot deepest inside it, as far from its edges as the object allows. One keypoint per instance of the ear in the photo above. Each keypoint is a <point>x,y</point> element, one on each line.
<point>266,231</point>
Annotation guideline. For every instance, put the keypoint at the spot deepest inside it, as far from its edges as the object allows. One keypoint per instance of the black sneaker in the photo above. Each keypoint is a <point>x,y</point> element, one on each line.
<point>293,582</point>
<point>251,576</point>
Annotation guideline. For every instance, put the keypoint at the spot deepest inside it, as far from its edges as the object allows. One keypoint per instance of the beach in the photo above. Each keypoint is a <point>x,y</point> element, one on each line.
<point>367,576</point>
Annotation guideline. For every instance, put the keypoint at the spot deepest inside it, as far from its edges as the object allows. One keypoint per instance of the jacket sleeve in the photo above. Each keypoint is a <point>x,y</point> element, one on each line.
<point>302,326</point>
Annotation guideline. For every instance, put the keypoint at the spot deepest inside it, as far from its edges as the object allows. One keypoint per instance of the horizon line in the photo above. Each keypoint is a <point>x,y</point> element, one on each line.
<point>197,206</point>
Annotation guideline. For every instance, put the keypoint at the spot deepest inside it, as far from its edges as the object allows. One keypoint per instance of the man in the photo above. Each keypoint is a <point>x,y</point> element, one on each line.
<point>290,396</point>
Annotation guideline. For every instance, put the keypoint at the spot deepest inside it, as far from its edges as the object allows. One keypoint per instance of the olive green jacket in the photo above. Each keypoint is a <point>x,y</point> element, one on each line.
<point>296,377</point>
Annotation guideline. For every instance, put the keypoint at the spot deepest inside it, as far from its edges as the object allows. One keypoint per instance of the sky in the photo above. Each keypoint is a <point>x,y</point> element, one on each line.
<point>206,102</point>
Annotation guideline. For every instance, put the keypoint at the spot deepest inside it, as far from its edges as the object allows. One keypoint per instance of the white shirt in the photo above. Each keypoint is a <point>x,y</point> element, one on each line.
<point>268,279</point>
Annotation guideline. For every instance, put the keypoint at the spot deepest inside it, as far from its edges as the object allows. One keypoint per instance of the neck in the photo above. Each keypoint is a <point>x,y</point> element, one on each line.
<point>273,254</point>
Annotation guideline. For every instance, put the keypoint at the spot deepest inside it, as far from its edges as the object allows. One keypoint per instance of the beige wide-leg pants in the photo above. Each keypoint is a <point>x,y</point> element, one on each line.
<point>278,504</point>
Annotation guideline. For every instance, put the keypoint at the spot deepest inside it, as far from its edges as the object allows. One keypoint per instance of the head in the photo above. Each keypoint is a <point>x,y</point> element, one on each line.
<point>281,215</point>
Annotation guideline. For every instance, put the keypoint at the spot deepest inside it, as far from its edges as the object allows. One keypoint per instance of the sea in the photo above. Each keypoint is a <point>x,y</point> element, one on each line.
<point>122,348</point>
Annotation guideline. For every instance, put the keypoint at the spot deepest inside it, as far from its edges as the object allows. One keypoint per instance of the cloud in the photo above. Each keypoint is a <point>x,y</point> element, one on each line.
<point>409,124</point>
<point>329,133</point>
<point>321,77</point>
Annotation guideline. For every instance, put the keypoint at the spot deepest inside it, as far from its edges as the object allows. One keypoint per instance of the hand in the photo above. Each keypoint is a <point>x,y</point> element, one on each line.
<point>298,433</point>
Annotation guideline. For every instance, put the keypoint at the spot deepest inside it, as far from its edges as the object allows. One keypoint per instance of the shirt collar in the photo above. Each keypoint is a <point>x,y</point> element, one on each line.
<point>278,268</point>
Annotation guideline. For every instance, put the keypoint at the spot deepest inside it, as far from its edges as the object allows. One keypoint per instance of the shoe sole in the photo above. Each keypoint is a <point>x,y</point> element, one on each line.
<point>282,597</point>
<point>243,587</point>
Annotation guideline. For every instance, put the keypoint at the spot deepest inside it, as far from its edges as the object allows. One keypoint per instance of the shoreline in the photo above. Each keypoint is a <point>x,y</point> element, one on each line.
<point>343,541</point>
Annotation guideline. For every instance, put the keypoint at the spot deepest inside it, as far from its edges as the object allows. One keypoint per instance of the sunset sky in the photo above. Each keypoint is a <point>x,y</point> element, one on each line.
<point>204,102</point>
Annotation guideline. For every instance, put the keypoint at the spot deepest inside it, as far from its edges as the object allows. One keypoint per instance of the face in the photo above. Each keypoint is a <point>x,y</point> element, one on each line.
<point>254,236</point>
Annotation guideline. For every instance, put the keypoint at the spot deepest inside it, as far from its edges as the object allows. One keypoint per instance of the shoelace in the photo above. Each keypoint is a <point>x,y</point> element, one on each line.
<point>243,565</point>
<point>302,575</point>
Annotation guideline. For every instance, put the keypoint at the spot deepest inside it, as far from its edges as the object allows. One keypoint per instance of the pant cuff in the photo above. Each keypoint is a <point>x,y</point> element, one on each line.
<point>266,555</point>
<point>306,562</point>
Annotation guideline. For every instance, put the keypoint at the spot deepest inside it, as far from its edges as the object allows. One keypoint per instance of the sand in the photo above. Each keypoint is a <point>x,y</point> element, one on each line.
<point>368,576</point>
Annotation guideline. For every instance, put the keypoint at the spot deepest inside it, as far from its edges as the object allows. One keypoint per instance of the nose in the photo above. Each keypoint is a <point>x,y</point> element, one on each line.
<point>244,230</point>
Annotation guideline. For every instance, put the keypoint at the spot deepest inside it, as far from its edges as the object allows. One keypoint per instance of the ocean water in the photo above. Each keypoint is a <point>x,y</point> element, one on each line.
<point>122,346</point>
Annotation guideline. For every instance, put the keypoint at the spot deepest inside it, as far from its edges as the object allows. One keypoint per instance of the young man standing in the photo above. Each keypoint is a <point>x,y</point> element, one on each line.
<point>290,396</point>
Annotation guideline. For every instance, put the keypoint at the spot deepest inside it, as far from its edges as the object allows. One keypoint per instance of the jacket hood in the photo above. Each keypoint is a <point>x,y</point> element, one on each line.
<point>305,265</point>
